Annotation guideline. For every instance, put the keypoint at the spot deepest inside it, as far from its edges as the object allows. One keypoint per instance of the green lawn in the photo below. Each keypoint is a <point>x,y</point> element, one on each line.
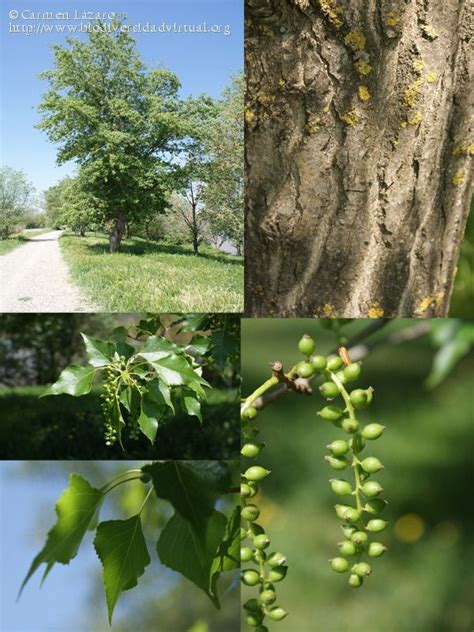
<point>155,277</point>
<point>12,242</point>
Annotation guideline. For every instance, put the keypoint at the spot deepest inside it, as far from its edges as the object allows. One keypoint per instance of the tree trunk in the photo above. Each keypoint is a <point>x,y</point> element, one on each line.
<point>195,229</point>
<point>117,233</point>
<point>357,156</point>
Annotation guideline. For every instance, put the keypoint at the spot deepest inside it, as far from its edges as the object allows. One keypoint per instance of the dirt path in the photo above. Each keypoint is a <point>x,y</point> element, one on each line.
<point>35,278</point>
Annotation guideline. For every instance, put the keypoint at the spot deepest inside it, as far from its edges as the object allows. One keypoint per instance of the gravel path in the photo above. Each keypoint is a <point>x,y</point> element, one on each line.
<point>35,278</point>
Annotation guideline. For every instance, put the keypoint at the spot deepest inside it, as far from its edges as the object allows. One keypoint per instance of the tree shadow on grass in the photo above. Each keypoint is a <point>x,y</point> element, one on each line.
<point>143,248</point>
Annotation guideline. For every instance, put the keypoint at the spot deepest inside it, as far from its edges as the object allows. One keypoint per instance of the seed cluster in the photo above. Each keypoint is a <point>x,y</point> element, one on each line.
<point>109,397</point>
<point>270,568</point>
<point>362,520</point>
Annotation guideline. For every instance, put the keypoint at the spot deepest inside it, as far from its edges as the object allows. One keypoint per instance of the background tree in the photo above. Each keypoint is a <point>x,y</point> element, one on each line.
<point>358,150</point>
<point>118,121</point>
<point>188,211</point>
<point>223,196</point>
<point>55,202</point>
<point>16,199</point>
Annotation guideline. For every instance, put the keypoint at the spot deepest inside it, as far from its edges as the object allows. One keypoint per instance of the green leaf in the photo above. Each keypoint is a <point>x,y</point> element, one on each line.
<point>74,380</point>
<point>227,557</point>
<point>99,352</point>
<point>160,393</point>
<point>76,509</point>
<point>157,347</point>
<point>191,486</point>
<point>150,417</point>
<point>176,370</point>
<point>224,344</point>
<point>194,322</point>
<point>199,345</point>
<point>192,406</point>
<point>190,550</point>
<point>446,359</point>
<point>122,550</point>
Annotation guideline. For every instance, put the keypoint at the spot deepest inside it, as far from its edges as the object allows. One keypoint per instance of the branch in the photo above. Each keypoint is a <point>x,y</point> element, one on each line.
<point>357,352</point>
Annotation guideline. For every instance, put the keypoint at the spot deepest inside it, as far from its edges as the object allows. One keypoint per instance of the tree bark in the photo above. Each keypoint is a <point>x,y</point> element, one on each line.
<point>358,145</point>
<point>117,233</point>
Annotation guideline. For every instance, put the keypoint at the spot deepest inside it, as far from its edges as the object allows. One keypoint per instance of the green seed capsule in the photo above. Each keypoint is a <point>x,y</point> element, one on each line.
<point>371,465</point>
<point>339,564</point>
<point>376,525</point>
<point>267,596</point>
<point>331,413</point>
<point>261,541</point>
<point>250,577</point>
<point>348,530</point>
<point>347,513</point>
<point>305,369</point>
<point>329,390</point>
<point>375,506</point>
<point>259,556</point>
<point>251,605</point>
<point>340,487</point>
<point>376,549</point>
<point>360,398</point>
<point>251,450</point>
<point>350,425</point>
<point>250,513</point>
<point>256,473</point>
<point>338,447</point>
<point>253,488</point>
<point>334,362</point>
<point>276,559</point>
<point>372,488</point>
<point>254,619</point>
<point>359,537</point>
<point>362,569</point>
<point>347,548</point>
<point>306,345</point>
<point>337,463</point>
<point>245,490</point>
<point>318,362</point>
<point>352,372</point>
<point>372,431</point>
<point>249,413</point>
<point>277,613</point>
<point>246,554</point>
<point>277,573</point>
<point>355,581</point>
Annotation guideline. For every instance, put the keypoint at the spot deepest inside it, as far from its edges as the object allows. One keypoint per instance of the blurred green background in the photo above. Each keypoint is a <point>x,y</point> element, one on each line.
<point>425,581</point>
<point>35,348</point>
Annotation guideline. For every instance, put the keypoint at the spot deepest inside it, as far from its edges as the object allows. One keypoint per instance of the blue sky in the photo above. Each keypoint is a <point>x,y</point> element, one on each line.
<point>204,62</point>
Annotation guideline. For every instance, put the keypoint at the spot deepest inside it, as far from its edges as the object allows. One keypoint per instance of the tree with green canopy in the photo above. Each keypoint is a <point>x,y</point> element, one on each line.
<point>120,122</point>
<point>16,199</point>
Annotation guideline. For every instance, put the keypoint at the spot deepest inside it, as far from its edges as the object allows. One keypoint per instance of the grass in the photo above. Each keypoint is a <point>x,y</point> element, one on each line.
<point>154,277</point>
<point>18,239</point>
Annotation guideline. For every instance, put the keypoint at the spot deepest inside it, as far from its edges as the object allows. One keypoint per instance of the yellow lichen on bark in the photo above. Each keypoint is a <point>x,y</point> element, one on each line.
<point>375,311</point>
<point>363,67</point>
<point>459,177</point>
<point>429,301</point>
<point>416,118</point>
<point>364,94</point>
<point>350,118</point>
<point>312,126</point>
<point>432,77</point>
<point>328,311</point>
<point>419,65</point>
<point>465,147</point>
<point>332,11</point>
<point>356,40</point>
<point>412,93</point>
<point>392,19</point>
<point>430,32</point>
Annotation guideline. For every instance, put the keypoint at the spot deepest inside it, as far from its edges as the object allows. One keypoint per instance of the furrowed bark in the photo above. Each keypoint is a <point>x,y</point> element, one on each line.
<point>358,147</point>
<point>118,232</point>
